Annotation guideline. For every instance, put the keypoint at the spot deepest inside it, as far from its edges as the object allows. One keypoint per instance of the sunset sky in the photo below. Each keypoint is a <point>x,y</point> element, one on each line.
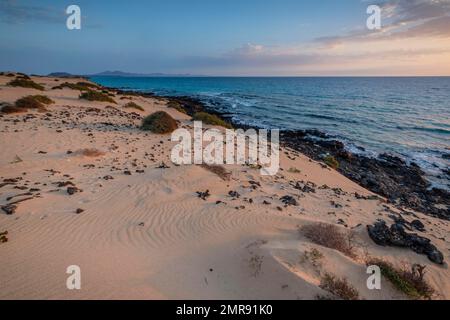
<point>211,37</point>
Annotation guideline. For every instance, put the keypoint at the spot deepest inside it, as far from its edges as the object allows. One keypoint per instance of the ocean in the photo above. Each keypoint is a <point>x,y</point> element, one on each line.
<point>405,116</point>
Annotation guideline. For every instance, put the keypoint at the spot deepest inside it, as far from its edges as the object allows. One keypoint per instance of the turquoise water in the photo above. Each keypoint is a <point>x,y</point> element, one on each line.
<point>409,117</point>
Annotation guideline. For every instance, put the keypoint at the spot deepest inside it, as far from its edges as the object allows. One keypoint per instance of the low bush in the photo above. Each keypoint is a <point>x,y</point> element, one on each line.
<point>96,96</point>
<point>13,109</point>
<point>81,86</point>
<point>211,119</point>
<point>159,122</point>
<point>330,236</point>
<point>25,83</point>
<point>410,282</point>
<point>33,102</point>
<point>133,105</point>
<point>339,287</point>
<point>331,162</point>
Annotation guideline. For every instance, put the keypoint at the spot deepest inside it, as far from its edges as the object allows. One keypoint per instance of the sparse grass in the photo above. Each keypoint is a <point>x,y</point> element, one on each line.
<point>339,287</point>
<point>330,236</point>
<point>159,122</point>
<point>33,102</point>
<point>90,152</point>
<point>96,96</point>
<point>211,119</point>
<point>331,162</point>
<point>410,282</point>
<point>133,105</point>
<point>314,256</point>
<point>218,170</point>
<point>25,83</point>
<point>176,105</point>
<point>23,76</point>
<point>294,170</point>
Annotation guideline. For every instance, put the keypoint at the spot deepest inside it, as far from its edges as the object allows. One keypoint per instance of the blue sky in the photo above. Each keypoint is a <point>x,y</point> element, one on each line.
<point>247,37</point>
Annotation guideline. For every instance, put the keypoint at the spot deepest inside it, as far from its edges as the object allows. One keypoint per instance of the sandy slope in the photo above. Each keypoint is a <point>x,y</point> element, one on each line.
<point>148,236</point>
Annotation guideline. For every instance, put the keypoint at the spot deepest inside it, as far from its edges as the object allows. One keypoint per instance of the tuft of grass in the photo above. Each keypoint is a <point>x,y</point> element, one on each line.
<point>331,162</point>
<point>133,105</point>
<point>33,102</point>
<point>294,170</point>
<point>218,170</point>
<point>25,83</point>
<point>330,236</point>
<point>410,282</point>
<point>211,119</point>
<point>159,122</point>
<point>339,287</point>
<point>81,86</point>
<point>96,96</point>
<point>177,106</point>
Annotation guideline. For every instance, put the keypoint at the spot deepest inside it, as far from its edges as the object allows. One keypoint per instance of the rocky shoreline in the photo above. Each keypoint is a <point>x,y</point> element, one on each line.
<point>389,176</point>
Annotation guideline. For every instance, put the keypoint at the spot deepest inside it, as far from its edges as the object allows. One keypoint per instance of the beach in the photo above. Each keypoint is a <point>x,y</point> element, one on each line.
<point>102,194</point>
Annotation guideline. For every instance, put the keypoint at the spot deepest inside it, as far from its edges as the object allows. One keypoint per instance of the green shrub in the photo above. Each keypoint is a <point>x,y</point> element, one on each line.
<point>96,96</point>
<point>32,102</point>
<point>159,122</point>
<point>211,119</point>
<point>410,282</point>
<point>25,83</point>
<point>43,99</point>
<point>81,86</point>
<point>331,162</point>
<point>133,106</point>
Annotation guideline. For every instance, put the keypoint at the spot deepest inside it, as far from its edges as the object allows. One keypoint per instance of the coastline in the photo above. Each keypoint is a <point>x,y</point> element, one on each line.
<point>389,176</point>
<point>82,184</point>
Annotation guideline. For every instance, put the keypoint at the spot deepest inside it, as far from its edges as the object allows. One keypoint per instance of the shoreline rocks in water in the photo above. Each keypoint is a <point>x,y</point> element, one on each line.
<point>388,175</point>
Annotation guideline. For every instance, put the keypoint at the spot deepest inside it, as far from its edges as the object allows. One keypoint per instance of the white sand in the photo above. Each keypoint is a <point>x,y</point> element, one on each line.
<point>186,248</point>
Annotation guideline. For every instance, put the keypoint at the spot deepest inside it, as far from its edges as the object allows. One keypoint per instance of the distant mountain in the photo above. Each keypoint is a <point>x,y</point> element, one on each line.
<point>61,75</point>
<point>128,74</point>
<point>119,74</point>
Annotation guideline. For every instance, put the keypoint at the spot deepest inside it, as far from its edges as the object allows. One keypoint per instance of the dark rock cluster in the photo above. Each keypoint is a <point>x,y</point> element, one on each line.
<point>396,236</point>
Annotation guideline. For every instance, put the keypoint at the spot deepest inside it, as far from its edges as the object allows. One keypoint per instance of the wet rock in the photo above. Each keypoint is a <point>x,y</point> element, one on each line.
<point>396,236</point>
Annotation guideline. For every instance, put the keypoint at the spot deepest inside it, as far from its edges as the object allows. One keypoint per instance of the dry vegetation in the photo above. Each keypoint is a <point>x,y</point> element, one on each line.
<point>218,170</point>
<point>339,287</point>
<point>96,96</point>
<point>159,122</point>
<point>81,86</point>
<point>409,281</point>
<point>90,152</point>
<point>211,119</point>
<point>330,236</point>
<point>176,105</point>
<point>37,102</point>
<point>331,162</point>
<point>133,105</point>
<point>25,83</point>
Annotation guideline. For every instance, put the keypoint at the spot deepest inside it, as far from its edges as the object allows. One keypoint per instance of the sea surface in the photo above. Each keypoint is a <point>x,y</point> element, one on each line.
<point>405,116</point>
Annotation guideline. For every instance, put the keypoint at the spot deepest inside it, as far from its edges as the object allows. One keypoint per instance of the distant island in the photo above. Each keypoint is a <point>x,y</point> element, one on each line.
<point>119,74</point>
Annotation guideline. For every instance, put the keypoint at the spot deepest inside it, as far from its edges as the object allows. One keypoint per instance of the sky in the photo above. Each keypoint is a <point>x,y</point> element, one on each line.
<point>227,38</point>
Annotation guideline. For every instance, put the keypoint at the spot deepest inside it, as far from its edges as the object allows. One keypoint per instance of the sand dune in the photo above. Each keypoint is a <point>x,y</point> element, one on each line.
<point>149,236</point>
